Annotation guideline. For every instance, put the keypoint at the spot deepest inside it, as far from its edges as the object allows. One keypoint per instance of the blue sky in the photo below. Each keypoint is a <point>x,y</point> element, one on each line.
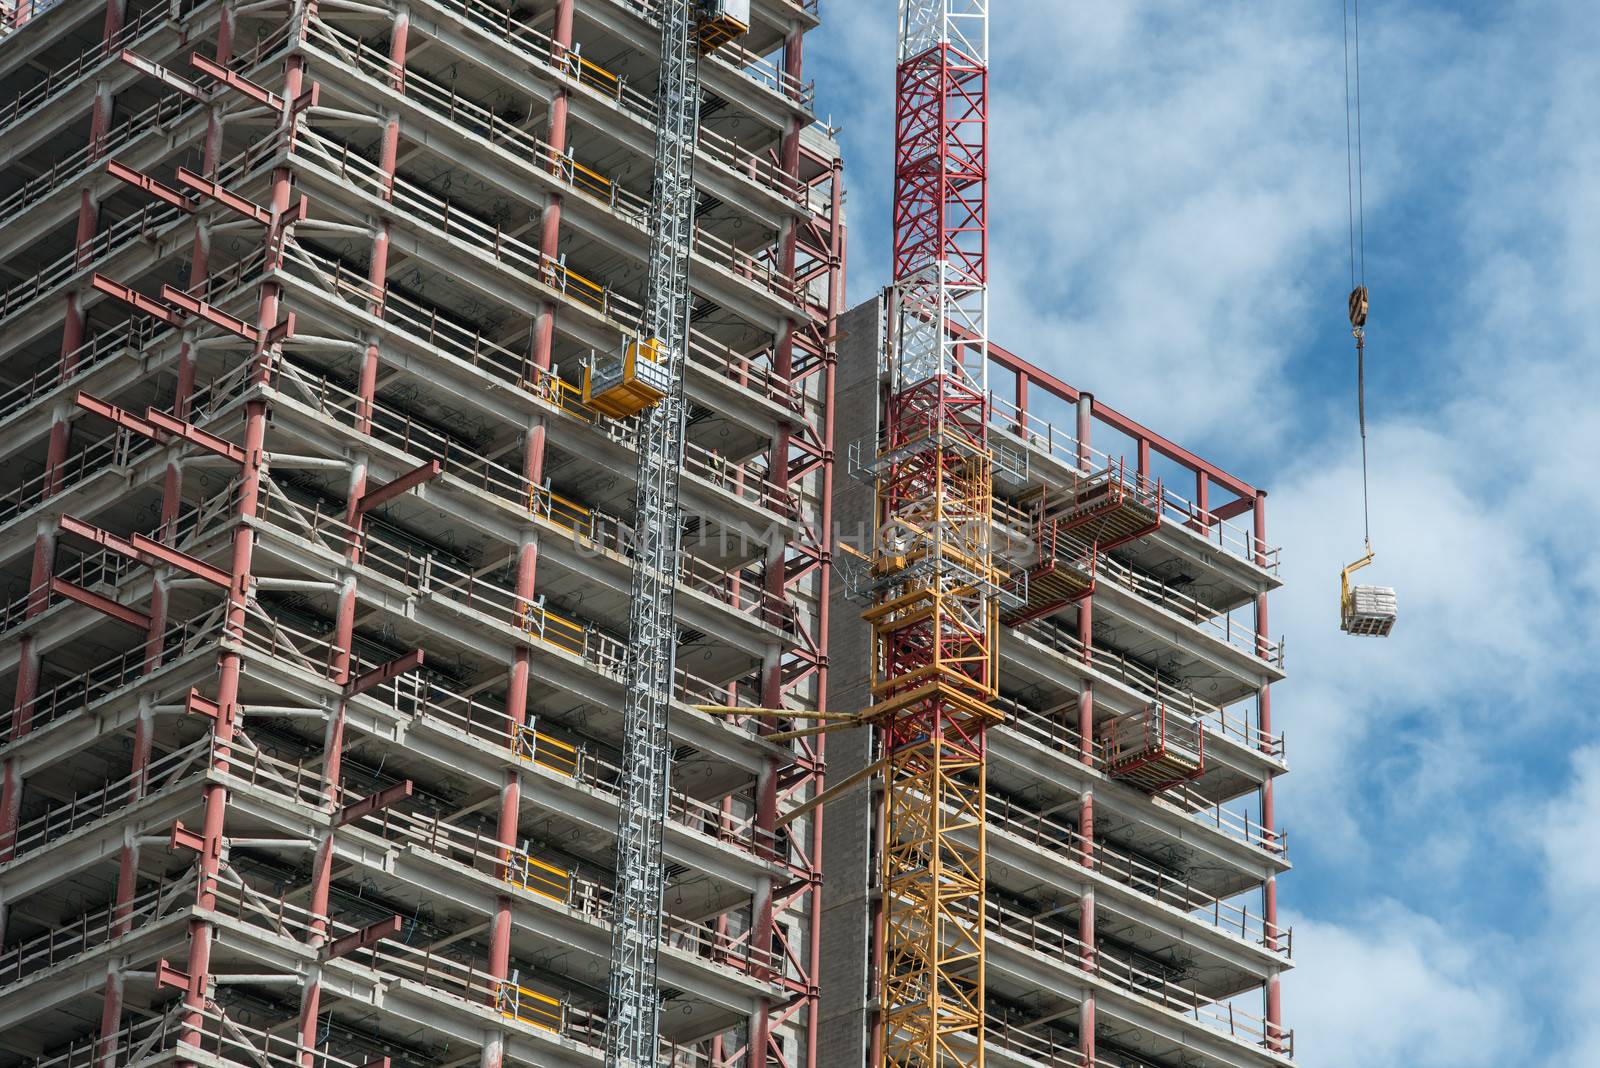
<point>1169,221</point>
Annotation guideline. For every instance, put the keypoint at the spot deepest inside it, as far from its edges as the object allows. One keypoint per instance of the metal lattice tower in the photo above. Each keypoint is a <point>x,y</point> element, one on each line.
<point>935,620</point>
<point>634,1005</point>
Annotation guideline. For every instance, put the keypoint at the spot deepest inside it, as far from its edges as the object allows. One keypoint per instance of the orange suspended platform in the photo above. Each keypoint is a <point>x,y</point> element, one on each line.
<point>1153,749</point>
<point>1063,574</point>
<point>1109,510</point>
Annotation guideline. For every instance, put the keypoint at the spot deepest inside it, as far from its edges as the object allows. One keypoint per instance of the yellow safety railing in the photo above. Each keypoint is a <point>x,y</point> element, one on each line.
<point>561,511</point>
<point>558,392</point>
<point>537,877</point>
<point>563,633</point>
<point>557,755</point>
<point>537,747</point>
<point>590,73</point>
<point>529,1006</point>
<point>584,288</point>
<point>591,180</point>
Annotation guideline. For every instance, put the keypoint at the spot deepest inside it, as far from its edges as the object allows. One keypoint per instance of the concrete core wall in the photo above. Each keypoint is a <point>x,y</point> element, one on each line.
<point>847,844</point>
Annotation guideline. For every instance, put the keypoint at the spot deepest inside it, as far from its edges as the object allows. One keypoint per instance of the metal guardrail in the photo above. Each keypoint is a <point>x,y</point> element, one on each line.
<point>595,82</point>
<point>1136,676</point>
<point>115,451</point>
<point>92,928</point>
<point>138,336</point>
<point>1182,800</point>
<point>1165,886</point>
<point>84,810</point>
<point>592,527</point>
<point>85,694</point>
<point>746,480</point>
<point>1122,970</point>
<point>1044,436</point>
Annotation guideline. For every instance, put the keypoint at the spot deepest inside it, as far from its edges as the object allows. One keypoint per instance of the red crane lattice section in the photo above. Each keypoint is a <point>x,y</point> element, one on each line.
<point>935,616</point>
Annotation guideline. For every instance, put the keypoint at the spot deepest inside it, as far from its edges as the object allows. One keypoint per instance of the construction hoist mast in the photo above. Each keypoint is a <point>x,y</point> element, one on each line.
<point>935,617</point>
<point>633,1021</point>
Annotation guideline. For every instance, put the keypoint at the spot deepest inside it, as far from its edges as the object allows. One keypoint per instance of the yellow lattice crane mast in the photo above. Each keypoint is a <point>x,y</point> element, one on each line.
<point>932,580</point>
<point>935,618</point>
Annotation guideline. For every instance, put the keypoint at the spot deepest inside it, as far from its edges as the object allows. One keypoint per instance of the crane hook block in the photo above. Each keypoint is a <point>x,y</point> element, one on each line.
<point>721,21</point>
<point>1358,308</point>
<point>627,384</point>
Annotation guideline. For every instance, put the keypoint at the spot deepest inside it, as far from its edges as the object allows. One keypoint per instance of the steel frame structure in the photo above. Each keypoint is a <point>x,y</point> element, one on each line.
<point>1082,795</point>
<point>1219,527</point>
<point>292,177</point>
<point>935,622</point>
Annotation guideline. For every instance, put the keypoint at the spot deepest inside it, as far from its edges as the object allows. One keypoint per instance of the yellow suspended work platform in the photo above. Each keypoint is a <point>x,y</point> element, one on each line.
<point>721,21</point>
<point>629,385</point>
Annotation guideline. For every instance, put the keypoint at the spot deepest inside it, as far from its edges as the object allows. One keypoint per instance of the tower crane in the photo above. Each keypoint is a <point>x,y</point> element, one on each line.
<point>646,379</point>
<point>935,613</point>
<point>934,588</point>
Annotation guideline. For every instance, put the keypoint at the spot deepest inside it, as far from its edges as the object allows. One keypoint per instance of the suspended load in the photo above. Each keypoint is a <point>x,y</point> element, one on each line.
<point>627,384</point>
<point>1154,749</point>
<point>1366,611</point>
<point>721,21</point>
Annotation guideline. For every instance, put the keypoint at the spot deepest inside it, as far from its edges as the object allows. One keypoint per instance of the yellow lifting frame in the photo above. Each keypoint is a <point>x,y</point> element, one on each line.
<point>1344,578</point>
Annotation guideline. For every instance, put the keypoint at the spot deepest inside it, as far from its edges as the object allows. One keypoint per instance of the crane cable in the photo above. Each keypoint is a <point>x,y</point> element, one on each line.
<point>1356,189</point>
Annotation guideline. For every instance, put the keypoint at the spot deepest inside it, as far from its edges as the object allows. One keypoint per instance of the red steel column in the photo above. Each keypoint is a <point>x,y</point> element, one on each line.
<point>333,749</point>
<point>1022,405</point>
<point>778,473</point>
<point>56,451</point>
<point>171,505</point>
<point>836,295</point>
<point>556,137</point>
<point>1086,936</point>
<point>231,663</point>
<point>345,619</point>
<point>127,876</point>
<point>199,268</point>
<point>1085,430</point>
<point>499,962</point>
<point>1269,815</point>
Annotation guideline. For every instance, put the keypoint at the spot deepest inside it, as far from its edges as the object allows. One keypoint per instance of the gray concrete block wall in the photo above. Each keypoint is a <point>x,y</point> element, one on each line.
<point>848,827</point>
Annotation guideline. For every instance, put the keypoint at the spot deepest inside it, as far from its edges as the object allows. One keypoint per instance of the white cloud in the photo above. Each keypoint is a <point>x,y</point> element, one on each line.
<point>1169,217</point>
<point>1569,829</point>
<point>1392,989</point>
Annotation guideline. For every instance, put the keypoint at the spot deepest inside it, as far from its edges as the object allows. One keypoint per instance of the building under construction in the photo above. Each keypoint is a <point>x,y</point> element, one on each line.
<point>317,577</point>
<point>317,567</point>
<point>1132,852</point>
